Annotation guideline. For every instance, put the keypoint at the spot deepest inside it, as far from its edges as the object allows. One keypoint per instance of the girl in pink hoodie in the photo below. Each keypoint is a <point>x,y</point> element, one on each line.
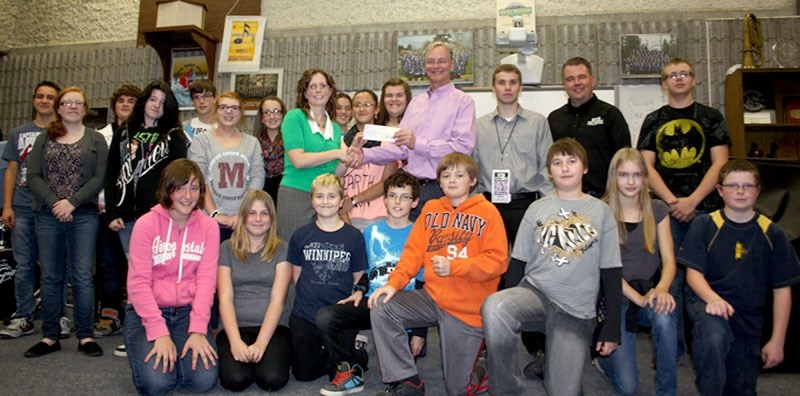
<point>171,282</point>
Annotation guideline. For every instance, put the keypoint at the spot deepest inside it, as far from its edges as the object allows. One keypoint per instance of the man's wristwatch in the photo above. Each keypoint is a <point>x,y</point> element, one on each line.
<point>353,202</point>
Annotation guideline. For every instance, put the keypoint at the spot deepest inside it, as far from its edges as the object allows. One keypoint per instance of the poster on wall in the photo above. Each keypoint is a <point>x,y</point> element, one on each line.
<point>643,55</point>
<point>253,87</point>
<point>241,44</point>
<point>411,57</point>
<point>188,65</point>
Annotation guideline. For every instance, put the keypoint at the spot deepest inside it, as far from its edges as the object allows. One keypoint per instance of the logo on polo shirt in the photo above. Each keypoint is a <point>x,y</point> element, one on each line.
<point>595,121</point>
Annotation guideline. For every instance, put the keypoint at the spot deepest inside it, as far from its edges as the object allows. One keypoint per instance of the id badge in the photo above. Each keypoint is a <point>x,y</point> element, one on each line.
<point>501,185</point>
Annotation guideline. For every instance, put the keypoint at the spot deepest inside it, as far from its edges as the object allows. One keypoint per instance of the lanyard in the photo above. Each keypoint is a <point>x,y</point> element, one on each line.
<point>504,145</point>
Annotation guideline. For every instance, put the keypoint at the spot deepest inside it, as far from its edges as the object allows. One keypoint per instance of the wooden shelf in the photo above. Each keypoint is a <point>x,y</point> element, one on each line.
<point>164,40</point>
<point>777,86</point>
<point>772,127</point>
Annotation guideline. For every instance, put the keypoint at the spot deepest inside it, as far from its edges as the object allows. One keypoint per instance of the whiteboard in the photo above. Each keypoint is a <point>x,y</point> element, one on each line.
<point>636,102</point>
<point>541,100</point>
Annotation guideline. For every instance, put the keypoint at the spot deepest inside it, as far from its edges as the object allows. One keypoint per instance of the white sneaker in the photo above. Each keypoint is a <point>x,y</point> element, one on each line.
<point>120,351</point>
<point>17,328</point>
<point>66,324</point>
<point>362,342</point>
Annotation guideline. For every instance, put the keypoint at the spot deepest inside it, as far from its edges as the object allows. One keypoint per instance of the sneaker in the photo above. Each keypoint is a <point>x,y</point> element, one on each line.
<point>17,328</point>
<point>405,388</point>
<point>596,364</point>
<point>347,381</point>
<point>362,342</point>
<point>66,325</point>
<point>121,351</point>
<point>535,369</point>
<point>109,323</point>
<point>481,369</point>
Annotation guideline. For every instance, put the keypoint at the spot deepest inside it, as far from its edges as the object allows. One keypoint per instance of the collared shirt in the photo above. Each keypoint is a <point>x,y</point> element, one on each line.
<point>443,121</point>
<point>519,145</point>
<point>312,123</point>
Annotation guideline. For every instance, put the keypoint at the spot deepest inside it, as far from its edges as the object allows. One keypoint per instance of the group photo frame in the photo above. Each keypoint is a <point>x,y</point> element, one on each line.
<point>253,87</point>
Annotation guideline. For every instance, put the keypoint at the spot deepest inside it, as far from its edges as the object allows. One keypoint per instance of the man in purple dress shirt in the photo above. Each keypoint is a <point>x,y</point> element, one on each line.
<point>435,124</point>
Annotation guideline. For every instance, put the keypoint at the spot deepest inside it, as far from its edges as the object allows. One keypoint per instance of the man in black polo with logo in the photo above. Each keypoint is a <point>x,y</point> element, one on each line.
<point>597,125</point>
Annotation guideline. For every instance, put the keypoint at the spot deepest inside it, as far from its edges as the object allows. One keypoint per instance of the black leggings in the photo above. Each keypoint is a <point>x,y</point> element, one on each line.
<point>270,374</point>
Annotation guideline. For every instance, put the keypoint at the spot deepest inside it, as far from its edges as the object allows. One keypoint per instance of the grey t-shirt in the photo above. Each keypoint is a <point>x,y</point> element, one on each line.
<point>565,244</point>
<point>637,262</point>
<point>252,283</point>
<point>20,143</point>
<point>229,171</point>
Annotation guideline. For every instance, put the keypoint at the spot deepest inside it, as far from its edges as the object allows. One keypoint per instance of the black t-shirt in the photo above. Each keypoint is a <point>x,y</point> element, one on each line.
<point>682,140</point>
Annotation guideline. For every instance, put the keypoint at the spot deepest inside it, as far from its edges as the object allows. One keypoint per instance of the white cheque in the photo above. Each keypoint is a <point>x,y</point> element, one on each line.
<point>379,133</point>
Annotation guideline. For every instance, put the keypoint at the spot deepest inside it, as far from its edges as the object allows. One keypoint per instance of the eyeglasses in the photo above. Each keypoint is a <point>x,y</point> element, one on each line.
<point>404,197</point>
<point>322,86</point>
<point>226,108</point>
<point>363,105</point>
<point>747,187</point>
<point>272,112</point>
<point>70,103</point>
<point>203,96</point>
<point>440,61</point>
<point>681,74</point>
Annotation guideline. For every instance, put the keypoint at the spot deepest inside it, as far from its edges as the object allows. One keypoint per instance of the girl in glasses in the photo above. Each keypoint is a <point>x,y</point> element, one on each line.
<point>65,173</point>
<point>270,118</point>
<point>230,160</point>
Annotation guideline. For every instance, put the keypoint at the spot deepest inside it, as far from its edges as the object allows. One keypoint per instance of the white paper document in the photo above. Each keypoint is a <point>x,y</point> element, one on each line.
<point>379,133</point>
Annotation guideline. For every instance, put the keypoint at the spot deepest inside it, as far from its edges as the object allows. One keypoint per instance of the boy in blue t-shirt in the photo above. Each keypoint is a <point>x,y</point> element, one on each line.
<point>734,257</point>
<point>384,242</point>
<point>328,258</point>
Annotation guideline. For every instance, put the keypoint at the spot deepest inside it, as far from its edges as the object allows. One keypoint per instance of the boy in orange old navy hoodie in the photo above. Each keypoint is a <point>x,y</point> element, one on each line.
<point>461,243</point>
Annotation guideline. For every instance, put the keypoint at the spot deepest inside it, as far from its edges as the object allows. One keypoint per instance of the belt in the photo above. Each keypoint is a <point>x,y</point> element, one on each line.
<point>423,182</point>
<point>518,196</point>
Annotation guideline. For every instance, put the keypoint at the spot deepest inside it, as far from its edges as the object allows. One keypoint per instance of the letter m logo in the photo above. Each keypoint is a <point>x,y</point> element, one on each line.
<point>234,176</point>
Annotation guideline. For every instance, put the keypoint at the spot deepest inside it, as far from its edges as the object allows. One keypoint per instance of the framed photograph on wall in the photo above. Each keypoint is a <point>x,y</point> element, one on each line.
<point>643,55</point>
<point>411,57</point>
<point>241,44</point>
<point>188,65</point>
<point>253,87</point>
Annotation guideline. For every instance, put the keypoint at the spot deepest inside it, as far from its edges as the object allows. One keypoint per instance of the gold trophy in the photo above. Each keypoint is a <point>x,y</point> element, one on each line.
<point>753,43</point>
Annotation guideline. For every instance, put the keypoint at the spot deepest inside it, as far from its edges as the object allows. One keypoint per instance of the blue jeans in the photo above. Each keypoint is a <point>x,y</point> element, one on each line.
<point>727,362</point>
<point>524,307</point>
<point>620,367</point>
<point>68,243</point>
<point>111,267</point>
<point>678,287</point>
<point>26,254</point>
<point>125,237</point>
<point>149,381</point>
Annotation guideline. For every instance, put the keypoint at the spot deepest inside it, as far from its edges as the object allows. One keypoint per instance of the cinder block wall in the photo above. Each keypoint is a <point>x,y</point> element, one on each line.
<point>94,47</point>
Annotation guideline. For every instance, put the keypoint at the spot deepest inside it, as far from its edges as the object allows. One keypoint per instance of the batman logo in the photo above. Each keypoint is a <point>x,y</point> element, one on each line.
<point>680,143</point>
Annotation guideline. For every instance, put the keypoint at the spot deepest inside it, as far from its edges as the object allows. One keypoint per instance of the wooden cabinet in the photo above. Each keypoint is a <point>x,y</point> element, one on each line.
<point>776,90</point>
<point>164,40</point>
